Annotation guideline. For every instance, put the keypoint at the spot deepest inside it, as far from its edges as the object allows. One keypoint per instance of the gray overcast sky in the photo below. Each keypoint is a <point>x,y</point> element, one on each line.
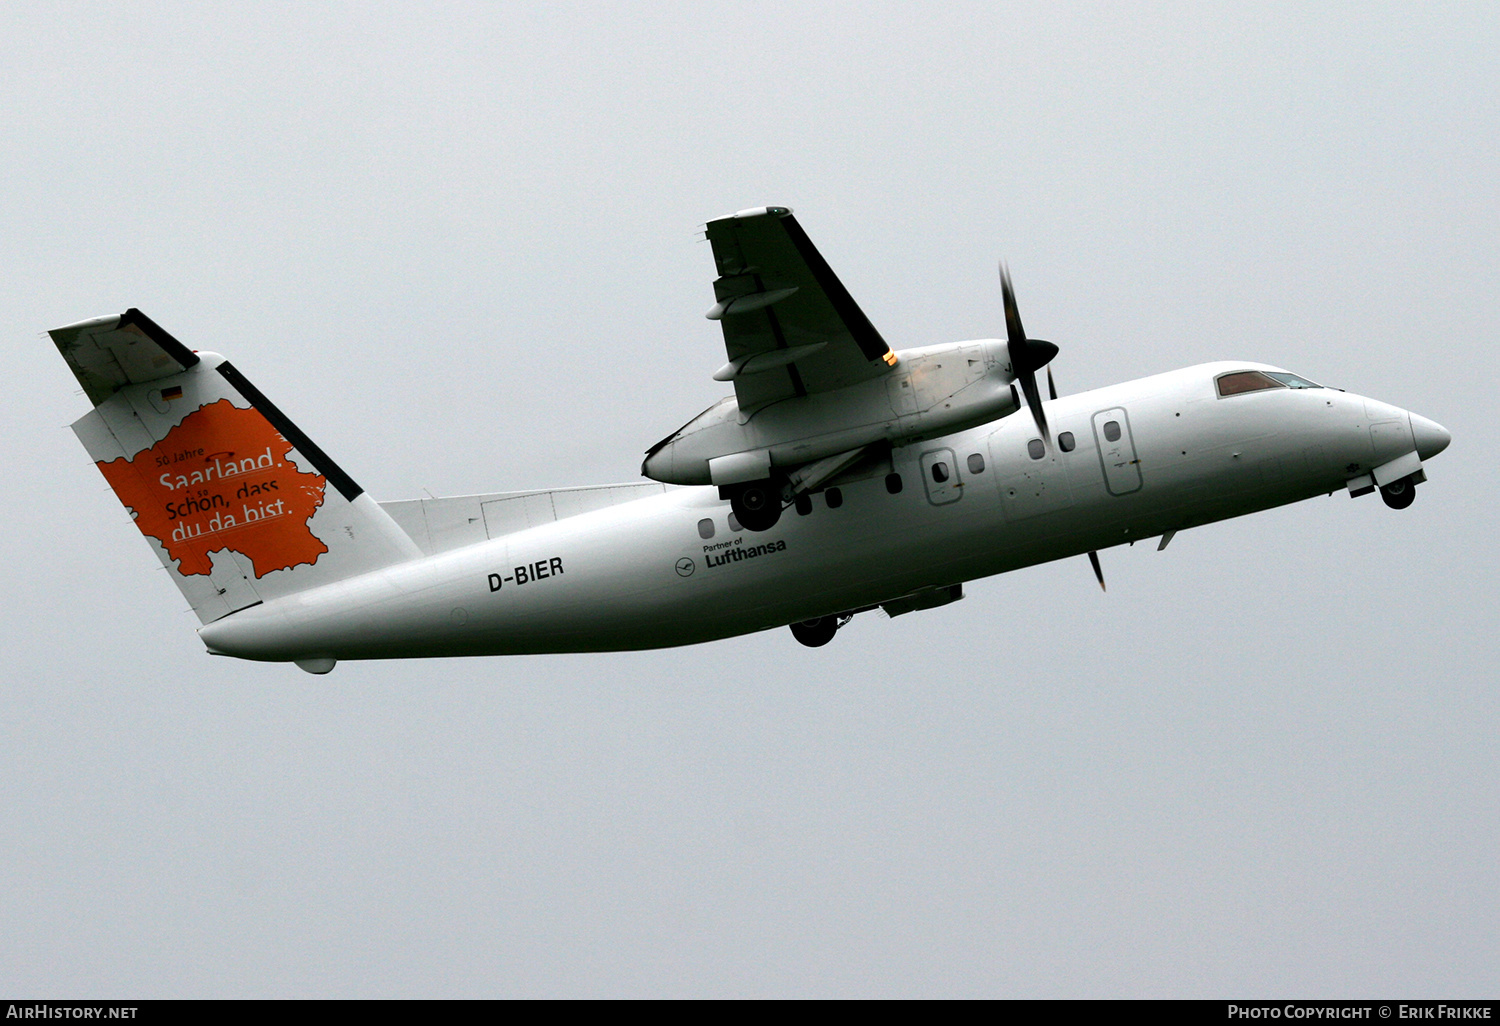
<point>456,243</point>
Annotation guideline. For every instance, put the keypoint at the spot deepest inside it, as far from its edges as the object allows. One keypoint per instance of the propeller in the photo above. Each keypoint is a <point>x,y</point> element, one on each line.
<point>1027,356</point>
<point>1052,394</point>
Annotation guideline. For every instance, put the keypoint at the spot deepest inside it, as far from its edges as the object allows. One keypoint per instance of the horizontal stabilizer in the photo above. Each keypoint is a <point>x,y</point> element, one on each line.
<point>108,353</point>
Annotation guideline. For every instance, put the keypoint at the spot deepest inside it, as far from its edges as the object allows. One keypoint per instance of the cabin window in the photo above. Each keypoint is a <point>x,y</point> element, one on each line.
<point>976,463</point>
<point>734,523</point>
<point>1111,430</point>
<point>1246,381</point>
<point>893,483</point>
<point>940,472</point>
<point>1036,448</point>
<point>804,504</point>
<point>705,528</point>
<point>835,498</point>
<point>1066,442</point>
<point>1291,380</point>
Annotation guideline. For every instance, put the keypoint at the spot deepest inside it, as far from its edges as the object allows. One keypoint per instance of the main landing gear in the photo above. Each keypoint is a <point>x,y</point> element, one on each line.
<point>1399,494</point>
<point>757,506</point>
<point>819,632</point>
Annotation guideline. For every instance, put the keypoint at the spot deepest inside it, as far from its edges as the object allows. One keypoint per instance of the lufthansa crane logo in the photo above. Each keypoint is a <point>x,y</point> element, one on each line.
<point>685,567</point>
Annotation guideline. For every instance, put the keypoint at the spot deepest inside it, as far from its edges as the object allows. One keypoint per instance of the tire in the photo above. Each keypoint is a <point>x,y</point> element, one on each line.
<point>816,633</point>
<point>1399,494</point>
<point>757,506</point>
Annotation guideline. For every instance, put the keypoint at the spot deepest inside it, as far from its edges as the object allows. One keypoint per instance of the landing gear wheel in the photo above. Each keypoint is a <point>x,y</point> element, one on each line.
<point>816,633</point>
<point>1399,494</point>
<point>757,506</point>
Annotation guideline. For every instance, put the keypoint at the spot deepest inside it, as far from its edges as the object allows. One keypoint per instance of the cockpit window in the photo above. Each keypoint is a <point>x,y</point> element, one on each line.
<point>1291,380</point>
<point>1246,381</point>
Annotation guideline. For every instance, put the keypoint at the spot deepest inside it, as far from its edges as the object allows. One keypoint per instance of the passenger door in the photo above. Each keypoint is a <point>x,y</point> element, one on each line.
<point>1122,469</point>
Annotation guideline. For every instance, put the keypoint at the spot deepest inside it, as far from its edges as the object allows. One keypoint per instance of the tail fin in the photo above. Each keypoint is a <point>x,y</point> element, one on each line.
<point>234,499</point>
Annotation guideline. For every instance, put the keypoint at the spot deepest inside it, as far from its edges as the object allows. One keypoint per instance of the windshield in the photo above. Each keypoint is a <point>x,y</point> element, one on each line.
<point>1246,381</point>
<point>1240,382</point>
<point>1292,380</point>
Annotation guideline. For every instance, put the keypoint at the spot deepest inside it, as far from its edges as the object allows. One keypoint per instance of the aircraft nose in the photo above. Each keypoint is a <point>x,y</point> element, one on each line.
<point>1430,436</point>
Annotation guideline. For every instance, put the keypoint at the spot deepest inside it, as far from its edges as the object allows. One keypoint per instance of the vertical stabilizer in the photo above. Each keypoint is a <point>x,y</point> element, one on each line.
<point>240,506</point>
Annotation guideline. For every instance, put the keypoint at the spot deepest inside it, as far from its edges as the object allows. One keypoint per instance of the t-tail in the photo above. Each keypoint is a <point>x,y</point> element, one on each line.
<point>240,506</point>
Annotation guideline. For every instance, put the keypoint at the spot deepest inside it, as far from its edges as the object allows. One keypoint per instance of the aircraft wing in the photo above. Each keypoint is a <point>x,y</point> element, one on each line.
<point>790,326</point>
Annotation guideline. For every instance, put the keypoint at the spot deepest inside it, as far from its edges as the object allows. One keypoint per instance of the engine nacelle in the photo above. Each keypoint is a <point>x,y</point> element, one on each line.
<point>933,391</point>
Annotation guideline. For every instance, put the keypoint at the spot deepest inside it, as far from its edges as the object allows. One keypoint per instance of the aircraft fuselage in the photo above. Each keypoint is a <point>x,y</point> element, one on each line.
<point>671,570</point>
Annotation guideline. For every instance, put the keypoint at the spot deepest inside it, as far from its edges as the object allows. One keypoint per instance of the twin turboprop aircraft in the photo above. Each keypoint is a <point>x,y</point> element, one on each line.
<point>842,476</point>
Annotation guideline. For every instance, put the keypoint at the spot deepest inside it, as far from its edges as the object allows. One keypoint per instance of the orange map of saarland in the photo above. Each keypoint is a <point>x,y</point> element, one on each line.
<point>221,480</point>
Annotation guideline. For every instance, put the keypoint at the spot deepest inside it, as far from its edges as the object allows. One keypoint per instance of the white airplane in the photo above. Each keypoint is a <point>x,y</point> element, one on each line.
<point>841,476</point>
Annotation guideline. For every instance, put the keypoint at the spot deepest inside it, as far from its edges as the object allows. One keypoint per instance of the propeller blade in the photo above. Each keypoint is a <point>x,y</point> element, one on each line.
<point>1013,330</point>
<point>1034,402</point>
<point>1051,385</point>
<point>1098,570</point>
<point>1027,355</point>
